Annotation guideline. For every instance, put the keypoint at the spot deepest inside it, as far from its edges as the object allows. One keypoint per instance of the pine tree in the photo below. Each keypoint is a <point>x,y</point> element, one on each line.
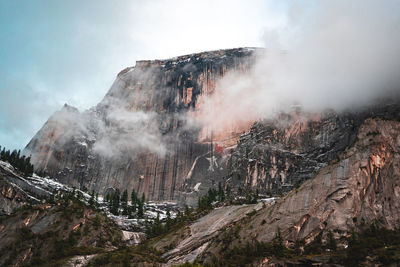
<point>109,198</point>
<point>141,206</point>
<point>157,226</point>
<point>140,212</point>
<point>143,198</point>
<point>124,202</point>
<point>91,200</point>
<point>134,200</point>
<point>18,161</point>
<point>228,193</point>
<point>331,242</point>
<point>168,223</point>
<point>277,243</point>
<point>221,193</point>
<point>115,202</point>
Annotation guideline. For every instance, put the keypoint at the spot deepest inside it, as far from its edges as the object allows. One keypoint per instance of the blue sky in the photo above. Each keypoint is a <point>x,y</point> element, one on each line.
<point>56,52</point>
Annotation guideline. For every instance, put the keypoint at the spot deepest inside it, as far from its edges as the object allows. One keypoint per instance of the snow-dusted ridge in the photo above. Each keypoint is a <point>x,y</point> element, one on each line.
<point>38,188</point>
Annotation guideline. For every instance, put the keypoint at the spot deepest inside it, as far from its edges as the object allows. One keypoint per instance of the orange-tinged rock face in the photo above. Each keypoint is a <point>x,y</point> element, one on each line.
<point>189,95</point>
<point>210,114</point>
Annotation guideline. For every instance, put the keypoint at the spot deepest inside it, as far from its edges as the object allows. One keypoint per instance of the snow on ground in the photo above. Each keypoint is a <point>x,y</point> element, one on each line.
<point>37,188</point>
<point>269,200</point>
<point>7,166</point>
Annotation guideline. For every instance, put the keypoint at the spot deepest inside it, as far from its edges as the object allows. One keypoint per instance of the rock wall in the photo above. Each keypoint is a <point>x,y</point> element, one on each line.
<point>279,154</point>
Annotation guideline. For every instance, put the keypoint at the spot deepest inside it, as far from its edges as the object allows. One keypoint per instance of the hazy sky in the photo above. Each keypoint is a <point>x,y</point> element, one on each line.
<point>55,52</point>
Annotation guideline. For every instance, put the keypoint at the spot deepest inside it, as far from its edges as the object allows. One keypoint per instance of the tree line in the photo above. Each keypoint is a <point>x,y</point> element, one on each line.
<point>157,228</point>
<point>116,202</point>
<point>206,202</point>
<point>18,161</point>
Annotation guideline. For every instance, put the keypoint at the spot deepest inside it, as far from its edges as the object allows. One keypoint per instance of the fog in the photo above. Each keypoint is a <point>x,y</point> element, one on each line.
<point>335,55</point>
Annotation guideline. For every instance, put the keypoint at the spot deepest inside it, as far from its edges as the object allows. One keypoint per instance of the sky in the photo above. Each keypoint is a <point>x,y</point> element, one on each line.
<point>56,52</point>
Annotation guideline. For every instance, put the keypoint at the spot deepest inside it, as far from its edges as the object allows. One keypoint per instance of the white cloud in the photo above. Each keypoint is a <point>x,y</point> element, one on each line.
<point>342,55</point>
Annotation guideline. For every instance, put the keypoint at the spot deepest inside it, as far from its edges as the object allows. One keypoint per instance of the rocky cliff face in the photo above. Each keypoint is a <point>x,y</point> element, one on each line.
<point>359,187</point>
<point>137,137</point>
<point>279,154</point>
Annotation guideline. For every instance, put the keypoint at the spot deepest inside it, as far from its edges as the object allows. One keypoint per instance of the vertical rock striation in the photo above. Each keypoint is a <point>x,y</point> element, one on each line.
<point>360,187</point>
<point>281,153</point>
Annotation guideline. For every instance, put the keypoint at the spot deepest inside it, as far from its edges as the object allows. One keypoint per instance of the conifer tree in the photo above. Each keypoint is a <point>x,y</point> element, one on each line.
<point>169,220</point>
<point>221,193</point>
<point>140,212</point>
<point>18,161</point>
<point>91,200</point>
<point>187,210</point>
<point>331,242</point>
<point>134,200</point>
<point>115,202</point>
<point>124,202</point>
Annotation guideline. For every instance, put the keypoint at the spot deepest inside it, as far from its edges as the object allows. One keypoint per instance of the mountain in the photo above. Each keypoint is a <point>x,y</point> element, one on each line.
<point>293,189</point>
<point>140,135</point>
<point>143,136</point>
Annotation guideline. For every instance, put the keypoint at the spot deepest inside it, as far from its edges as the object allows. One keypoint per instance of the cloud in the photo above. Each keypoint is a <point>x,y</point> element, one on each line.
<point>342,55</point>
<point>128,131</point>
<point>69,52</point>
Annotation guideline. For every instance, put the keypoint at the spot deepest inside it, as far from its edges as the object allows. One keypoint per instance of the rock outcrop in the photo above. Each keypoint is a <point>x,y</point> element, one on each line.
<point>200,234</point>
<point>279,154</point>
<point>11,197</point>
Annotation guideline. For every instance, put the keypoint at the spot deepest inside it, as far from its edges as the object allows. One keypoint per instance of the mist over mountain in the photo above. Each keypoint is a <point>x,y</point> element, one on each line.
<point>280,155</point>
<point>346,57</point>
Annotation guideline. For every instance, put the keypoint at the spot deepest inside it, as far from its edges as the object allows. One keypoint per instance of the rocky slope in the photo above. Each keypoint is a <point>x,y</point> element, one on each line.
<point>194,240</point>
<point>45,223</point>
<point>137,137</point>
<point>36,230</point>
